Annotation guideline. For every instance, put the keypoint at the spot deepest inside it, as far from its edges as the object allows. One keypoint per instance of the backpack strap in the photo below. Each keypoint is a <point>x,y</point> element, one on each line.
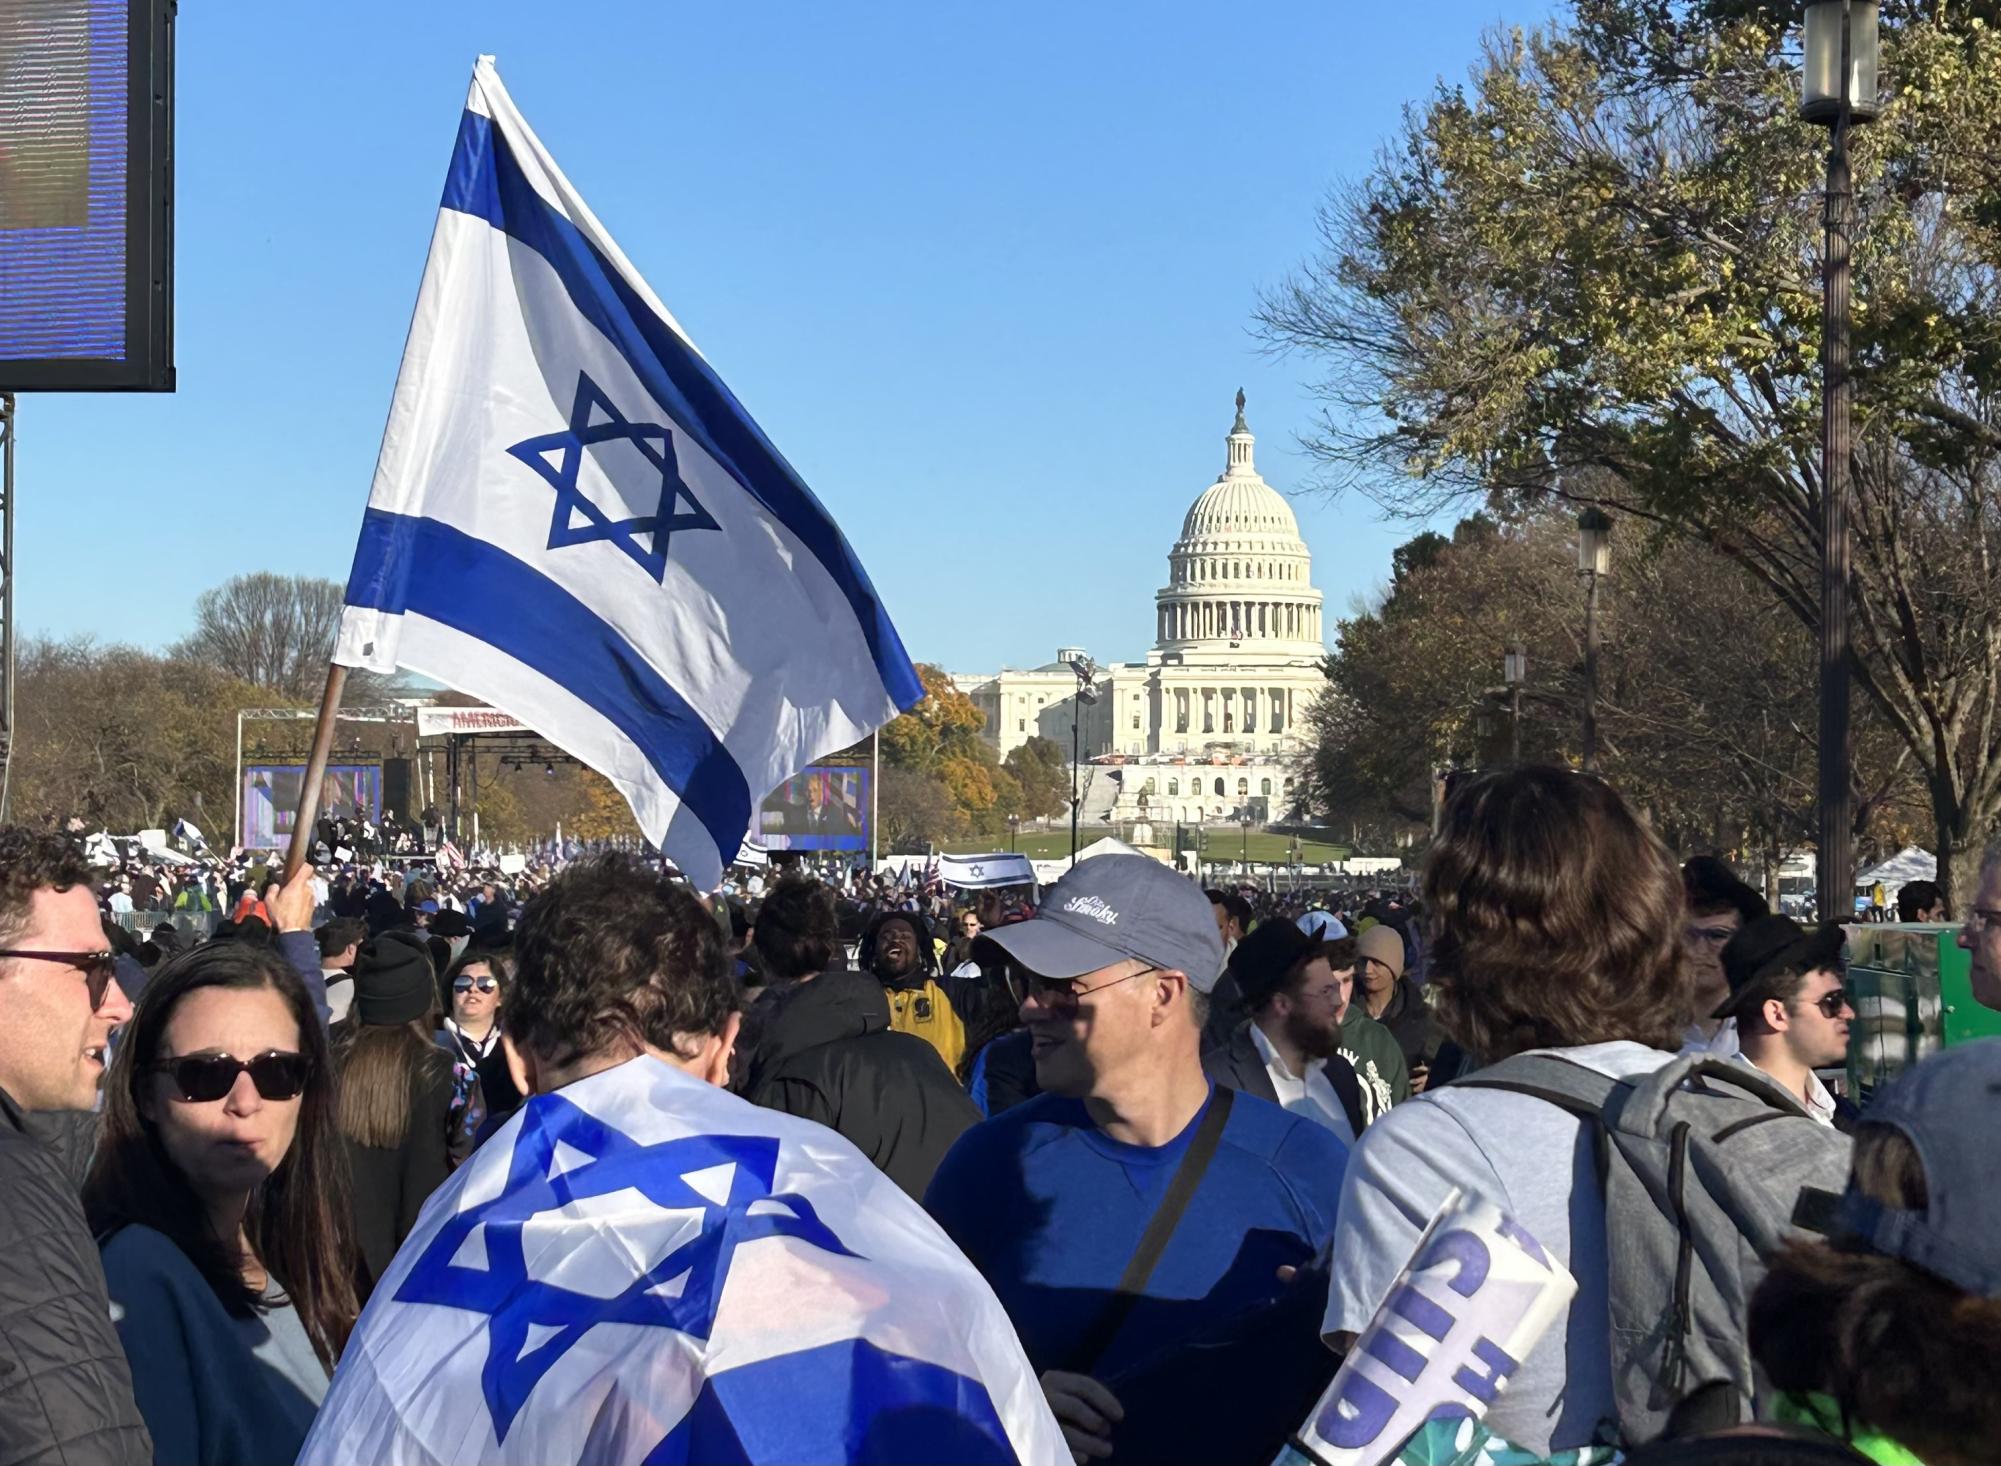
<point>1594,1098</point>
<point>1159,1230</point>
<point>1347,1087</point>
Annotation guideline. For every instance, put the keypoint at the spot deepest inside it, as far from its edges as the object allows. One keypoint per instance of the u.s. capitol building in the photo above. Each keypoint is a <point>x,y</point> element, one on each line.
<point>1210,726</point>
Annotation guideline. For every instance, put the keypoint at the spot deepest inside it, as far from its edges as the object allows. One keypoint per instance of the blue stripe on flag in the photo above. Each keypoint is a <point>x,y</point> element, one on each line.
<point>405,563</point>
<point>485,181</point>
<point>843,1402</point>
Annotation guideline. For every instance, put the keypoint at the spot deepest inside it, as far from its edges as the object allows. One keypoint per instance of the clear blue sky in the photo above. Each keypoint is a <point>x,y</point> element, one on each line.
<point>983,273</point>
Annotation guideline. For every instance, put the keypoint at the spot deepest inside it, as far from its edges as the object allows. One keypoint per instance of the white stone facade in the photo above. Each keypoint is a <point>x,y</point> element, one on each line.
<point>1206,728</point>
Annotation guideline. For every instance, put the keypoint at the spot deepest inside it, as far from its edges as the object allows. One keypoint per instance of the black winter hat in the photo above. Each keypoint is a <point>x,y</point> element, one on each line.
<point>450,924</point>
<point>1261,960</point>
<point>394,981</point>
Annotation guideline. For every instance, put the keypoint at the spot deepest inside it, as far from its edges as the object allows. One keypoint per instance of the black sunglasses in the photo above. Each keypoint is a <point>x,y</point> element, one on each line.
<point>467,984</point>
<point>205,1078</point>
<point>98,968</point>
<point>1831,1004</point>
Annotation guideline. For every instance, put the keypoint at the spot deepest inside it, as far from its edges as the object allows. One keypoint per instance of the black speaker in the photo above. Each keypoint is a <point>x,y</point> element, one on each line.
<point>396,780</point>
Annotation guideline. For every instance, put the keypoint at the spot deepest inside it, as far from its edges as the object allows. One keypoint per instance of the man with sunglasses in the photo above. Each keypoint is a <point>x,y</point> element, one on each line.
<point>65,1387</point>
<point>1791,1008</point>
<point>1132,1211</point>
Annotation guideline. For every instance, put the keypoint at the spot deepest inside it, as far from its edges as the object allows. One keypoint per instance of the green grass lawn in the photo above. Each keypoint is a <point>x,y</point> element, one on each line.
<point>1225,843</point>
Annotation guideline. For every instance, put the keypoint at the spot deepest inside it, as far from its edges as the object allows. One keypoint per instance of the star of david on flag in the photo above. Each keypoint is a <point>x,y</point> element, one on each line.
<point>643,1268</point>
<point>574,519</point>
<point>653,441</point>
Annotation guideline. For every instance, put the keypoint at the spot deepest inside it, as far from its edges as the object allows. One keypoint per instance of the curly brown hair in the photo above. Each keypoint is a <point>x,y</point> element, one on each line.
<point>1899,1350</point>
<point>29,862</point>
<point>611,955</point>
<point>1556,918</point>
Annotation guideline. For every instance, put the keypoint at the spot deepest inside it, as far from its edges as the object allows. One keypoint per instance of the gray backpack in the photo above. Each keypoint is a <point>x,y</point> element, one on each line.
<point>1703,1162</point>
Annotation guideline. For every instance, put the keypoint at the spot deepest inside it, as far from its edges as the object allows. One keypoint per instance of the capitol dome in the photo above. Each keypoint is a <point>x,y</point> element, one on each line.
<point>1240,576</point>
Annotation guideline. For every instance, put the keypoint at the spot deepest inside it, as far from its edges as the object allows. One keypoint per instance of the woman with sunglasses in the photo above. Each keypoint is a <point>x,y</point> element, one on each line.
<point>477,986</point>
<point>396,1092</point>
<point>219,1198</point>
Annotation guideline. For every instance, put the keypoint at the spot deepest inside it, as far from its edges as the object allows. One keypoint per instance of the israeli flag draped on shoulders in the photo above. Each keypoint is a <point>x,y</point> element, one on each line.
<point>573,518</point>
<point>640,1267</point>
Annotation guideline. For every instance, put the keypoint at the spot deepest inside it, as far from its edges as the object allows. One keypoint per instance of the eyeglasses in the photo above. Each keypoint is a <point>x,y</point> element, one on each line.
<point>1710,936</point>
<point>1982,917</point>
<point>1831,1003</point>
<point>98,968</point>
<point>205,1078</point>
<point>1063,992</point>
<point>467,984</point>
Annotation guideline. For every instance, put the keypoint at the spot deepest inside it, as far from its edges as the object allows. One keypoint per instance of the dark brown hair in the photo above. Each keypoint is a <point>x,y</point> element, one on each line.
<point>1556,918</point>
<point>29,863</point>
<point>798,930</point>
<point>1899,1350</point>
<point>298,1219</point>
<point>615,955</point>
<point>382,1066</point>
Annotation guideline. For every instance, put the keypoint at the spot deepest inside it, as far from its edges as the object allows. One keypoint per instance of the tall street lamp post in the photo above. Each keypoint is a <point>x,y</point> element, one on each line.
<point>1515,669</point>
<point>1837,90</point>
<point>1087,692</point>
<point>1594,559</point>
<point>1013,831</point>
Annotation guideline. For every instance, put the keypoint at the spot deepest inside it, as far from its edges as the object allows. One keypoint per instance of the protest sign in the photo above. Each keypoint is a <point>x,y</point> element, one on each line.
<point>1474,1299</point>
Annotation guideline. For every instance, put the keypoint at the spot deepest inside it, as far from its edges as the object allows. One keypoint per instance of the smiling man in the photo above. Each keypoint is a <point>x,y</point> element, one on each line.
<point>65,1388</point>
<point>1132,1209</point>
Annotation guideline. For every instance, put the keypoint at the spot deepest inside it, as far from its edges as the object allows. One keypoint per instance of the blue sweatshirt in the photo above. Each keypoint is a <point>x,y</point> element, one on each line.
<point>1050,1209</point>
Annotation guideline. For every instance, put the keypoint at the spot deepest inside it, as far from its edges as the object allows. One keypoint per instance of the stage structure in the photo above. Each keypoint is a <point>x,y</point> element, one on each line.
<point>395,713</point>
<point>464,733</point>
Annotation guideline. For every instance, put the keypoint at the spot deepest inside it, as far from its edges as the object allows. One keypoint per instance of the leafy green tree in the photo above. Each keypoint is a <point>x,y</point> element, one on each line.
<point>1592,273</point>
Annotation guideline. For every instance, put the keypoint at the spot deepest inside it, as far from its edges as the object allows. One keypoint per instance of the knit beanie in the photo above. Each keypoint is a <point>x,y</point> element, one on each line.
<point>393,981</point>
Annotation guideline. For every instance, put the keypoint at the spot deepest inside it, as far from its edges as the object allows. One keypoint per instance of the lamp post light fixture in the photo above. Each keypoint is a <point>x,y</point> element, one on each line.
<point>1594,560</point>
<point>1837,90</point>
<point>1515,672</point>
<point>1087,692</point>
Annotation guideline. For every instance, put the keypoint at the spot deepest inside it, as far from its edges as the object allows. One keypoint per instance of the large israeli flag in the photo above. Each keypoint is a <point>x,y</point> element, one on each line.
<point>573,518</point>
<point>641,1267</point>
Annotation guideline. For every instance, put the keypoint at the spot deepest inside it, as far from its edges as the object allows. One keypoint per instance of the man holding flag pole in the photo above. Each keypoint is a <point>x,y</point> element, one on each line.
<point>574,519</point>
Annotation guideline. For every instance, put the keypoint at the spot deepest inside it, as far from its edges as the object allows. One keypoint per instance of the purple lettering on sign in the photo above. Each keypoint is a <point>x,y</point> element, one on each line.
<point>1380,1343</point>
<point>1408,1303</point>
<point>1483,1387</point>
<point>1516,1233</point>
<point>1357,1414</point>
<point>1465,1249</point>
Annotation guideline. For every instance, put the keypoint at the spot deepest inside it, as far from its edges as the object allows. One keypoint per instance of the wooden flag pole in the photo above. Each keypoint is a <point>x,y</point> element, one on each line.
<point>316,771</point>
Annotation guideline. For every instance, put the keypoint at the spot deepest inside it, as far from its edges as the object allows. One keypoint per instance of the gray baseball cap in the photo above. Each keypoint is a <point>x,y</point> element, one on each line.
<point>1114,907</point>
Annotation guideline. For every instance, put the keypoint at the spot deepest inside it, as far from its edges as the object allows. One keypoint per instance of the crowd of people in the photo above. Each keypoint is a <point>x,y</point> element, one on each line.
<point>1189,1139</point>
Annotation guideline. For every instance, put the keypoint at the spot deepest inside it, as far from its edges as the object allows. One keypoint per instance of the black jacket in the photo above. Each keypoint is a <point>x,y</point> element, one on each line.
<point>65,1388</point>
<point>824,1051</point>
<point>1409,1020</point>
<point>1238,1065</point>
<point>390,1186</point>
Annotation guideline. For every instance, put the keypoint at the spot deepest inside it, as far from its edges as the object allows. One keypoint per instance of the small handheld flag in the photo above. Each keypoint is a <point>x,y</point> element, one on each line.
<point>574,519</point>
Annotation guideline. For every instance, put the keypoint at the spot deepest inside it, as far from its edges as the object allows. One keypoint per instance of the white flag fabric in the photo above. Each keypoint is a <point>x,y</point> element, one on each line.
<point>641,1267</point>
<point>983,872</point>
<point>574,519</point>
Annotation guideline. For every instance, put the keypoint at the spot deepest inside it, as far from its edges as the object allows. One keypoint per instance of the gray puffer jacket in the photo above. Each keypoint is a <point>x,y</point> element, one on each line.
<point>65,1389</point>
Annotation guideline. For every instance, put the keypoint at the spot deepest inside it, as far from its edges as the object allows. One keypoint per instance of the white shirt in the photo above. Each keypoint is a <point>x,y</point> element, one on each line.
<point>1817,1102</point>
<point>340,991</point>
<point>1312,1097</point>
<point>1724,1045</point>
<point>120,903</point>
